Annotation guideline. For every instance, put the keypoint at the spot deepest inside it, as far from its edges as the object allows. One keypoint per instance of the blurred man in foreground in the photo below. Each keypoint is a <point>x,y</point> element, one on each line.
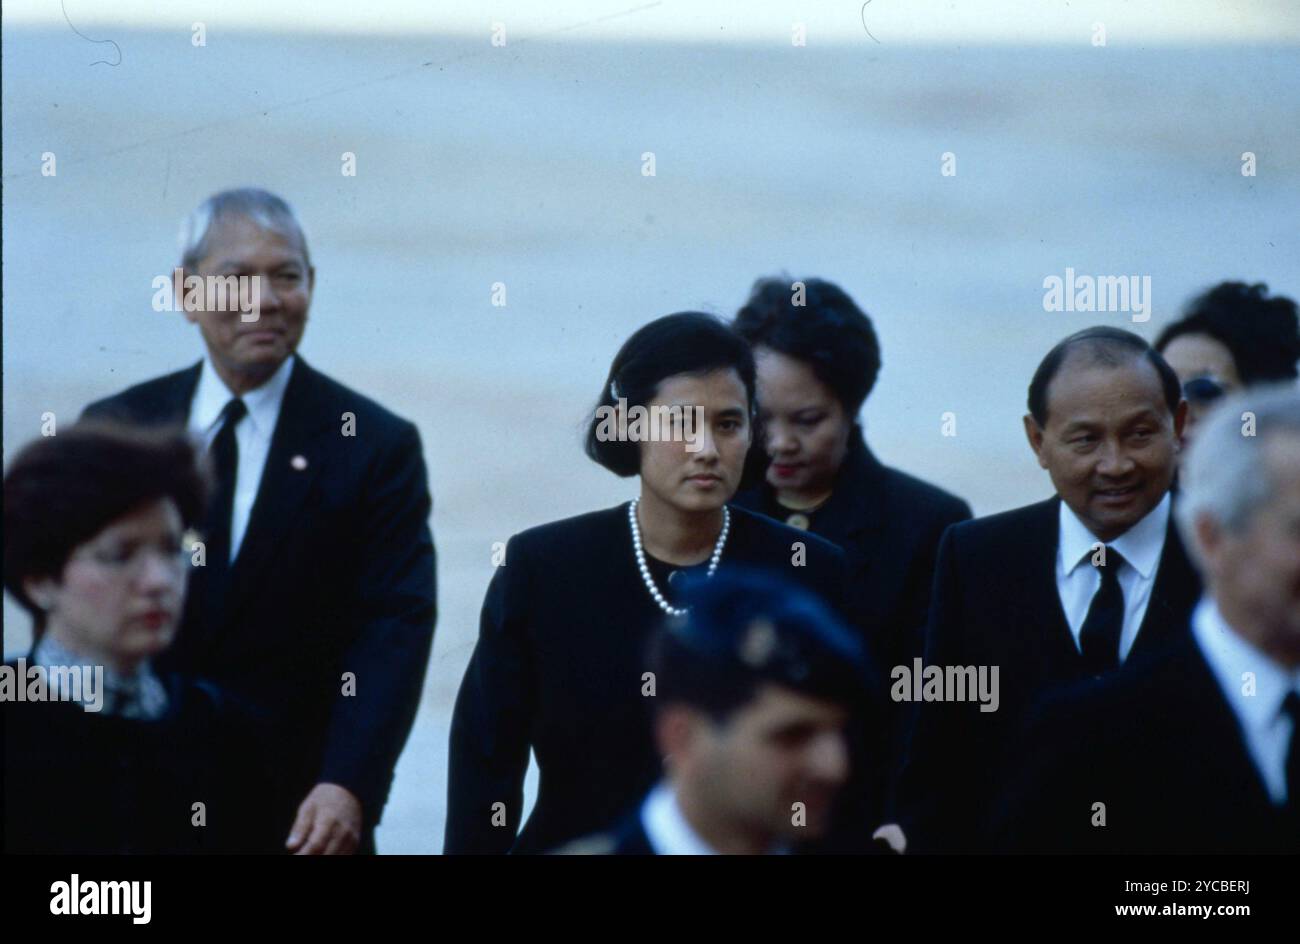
<point>754,692</point>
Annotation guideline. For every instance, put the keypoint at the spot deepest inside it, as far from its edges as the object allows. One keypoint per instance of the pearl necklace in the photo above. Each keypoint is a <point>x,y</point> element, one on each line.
<point>645,568</point>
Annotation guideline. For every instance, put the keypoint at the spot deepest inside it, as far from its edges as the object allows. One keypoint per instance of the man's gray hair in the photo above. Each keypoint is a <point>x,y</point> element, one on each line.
<point>1223,474</point>
<point>260,206</point>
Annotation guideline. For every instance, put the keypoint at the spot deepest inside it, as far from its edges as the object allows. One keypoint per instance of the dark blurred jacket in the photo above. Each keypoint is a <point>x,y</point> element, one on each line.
<point>86,783</point>
<point>1158,744</point>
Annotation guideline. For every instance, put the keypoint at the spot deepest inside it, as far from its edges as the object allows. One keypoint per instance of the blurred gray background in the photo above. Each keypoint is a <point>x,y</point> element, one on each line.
<point>521,164</point>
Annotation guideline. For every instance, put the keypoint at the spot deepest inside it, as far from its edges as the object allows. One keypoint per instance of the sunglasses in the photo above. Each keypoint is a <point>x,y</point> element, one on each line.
<point>1203,390</point>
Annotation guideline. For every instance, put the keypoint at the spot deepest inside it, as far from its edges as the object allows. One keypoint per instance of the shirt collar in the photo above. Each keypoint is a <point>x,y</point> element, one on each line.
<point>212,395</point>
<point>1230,656</point>
<point>668,831</point>
<point>666,826</point>
<point>138,694</point>
<point>1141,545</point>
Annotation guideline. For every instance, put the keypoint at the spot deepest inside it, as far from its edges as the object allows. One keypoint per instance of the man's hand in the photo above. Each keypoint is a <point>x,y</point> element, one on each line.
<point>328,822</point>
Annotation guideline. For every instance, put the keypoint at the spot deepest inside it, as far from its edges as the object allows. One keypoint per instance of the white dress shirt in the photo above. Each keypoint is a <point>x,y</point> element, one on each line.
<point>1077,580</point>
<point>668,831</point>
<point>252,433</point>
<point>666,827</point>
<point>1265,727</point>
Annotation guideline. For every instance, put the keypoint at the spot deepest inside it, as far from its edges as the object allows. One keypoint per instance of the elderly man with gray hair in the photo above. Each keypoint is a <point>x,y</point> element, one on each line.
<point>1196,749</point>
<point>315,595</point>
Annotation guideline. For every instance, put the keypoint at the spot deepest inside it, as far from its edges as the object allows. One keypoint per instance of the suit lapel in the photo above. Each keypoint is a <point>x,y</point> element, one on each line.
<point>1229,776</point>
<point>298,447</point>
<point>855,506</point>
<point>1042,600</point>
<point>172,406</point>
<point>1173,596</point>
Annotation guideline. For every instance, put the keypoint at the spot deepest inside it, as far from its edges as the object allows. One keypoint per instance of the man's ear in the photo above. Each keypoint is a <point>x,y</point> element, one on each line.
<point>1034,433</point>
<point>1209,537</point>
<point>1180,422</point>
<point>675,730</point>
<point>178,289</point>
<point>40,590</point>
<point>311,280</point>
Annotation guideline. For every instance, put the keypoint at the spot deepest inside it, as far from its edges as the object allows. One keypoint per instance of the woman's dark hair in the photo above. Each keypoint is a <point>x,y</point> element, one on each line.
<point>688,342</point>
<point>828,332</point>
<point>1261,333</point>
<point>1104,345</point>
<point>62,490</point>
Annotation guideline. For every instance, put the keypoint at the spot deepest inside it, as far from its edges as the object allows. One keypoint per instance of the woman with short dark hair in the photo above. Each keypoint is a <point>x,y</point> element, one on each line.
<point>1231,336</point>
<point>817,361</point>
<point>102,753</point>
<point>559,667</point>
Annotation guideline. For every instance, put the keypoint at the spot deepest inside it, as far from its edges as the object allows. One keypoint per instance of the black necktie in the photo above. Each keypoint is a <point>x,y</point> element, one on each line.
<point>225,462</point>
<point>1099,638</point>
<point>1291,706</point>
<point>205,598</point>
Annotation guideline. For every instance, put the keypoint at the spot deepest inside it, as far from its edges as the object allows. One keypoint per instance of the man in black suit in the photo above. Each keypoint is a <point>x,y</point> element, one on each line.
<point>1066,589</point>
<point>1198,749</point>
<point>316,597</point>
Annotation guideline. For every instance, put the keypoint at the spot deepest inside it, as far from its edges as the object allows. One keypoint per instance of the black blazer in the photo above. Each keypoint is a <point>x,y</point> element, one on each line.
<point>335,575</point>
<point>627,837</point>
<point>1160,746</point>
<point>996,603</point>
<point>889,524</point>
<point>558,668</point>
<point>84,783</point>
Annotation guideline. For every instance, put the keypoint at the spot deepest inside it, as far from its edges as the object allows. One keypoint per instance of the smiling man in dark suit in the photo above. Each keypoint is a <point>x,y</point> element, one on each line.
<point>1055,592</point>
<point>316,596</point>
<point>1196,750</point>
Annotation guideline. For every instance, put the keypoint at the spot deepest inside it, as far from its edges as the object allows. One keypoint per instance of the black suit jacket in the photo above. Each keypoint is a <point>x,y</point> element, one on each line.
<point>996,603</point>
<point>1160,746</point>
<point>335,575</point>
<point>84,783</point>
<point>558,668</point>
<point>627,837</point>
